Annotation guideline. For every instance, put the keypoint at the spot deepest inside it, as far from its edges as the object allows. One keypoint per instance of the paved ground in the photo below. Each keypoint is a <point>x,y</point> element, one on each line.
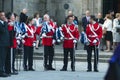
<point>79,74</point>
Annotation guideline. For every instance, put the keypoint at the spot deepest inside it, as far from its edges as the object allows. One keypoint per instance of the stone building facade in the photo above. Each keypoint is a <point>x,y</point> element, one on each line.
<point>55,8</point>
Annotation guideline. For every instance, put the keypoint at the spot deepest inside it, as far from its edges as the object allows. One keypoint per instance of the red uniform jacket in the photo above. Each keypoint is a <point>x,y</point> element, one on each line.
<point>48,41</point>
<point>13,39</point>
<point>31,36</point>
<point>94,31</point>
<point>38,30</point>
<point>68,43</point>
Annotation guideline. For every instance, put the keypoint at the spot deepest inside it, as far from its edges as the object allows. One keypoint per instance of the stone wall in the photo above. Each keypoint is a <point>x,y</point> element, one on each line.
<point>56,8</point>
<point>0,4</point>
<point>32,6</point>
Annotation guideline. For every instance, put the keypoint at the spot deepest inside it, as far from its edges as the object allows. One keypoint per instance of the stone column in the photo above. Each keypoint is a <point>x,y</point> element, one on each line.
<point>100,5</point>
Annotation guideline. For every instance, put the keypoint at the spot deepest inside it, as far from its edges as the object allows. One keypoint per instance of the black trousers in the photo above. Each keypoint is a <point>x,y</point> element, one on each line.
<point>13,58</point>
<point>10,60</point>
<point>2,59</point>
<point>28,57</point>
<point>48,56</point>
<point>66,52</point>
<point>89,57</point>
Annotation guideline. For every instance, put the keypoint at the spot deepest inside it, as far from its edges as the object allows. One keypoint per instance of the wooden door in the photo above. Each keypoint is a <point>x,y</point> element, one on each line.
<point>118,10</point>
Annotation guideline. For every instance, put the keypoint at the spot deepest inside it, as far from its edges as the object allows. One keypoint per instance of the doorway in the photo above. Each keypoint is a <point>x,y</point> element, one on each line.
<point>111,5</point>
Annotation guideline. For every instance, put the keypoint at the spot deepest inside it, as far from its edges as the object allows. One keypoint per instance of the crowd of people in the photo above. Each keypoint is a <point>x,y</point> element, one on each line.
<point>23,31</point>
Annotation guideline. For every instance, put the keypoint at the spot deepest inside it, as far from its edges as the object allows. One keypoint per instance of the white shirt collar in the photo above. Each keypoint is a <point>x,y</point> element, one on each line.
<point>93,22</point>
<point>2,21</point>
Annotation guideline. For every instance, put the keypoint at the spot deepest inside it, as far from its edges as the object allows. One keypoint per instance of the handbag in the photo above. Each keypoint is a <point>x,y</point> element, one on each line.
<point>118,30</point>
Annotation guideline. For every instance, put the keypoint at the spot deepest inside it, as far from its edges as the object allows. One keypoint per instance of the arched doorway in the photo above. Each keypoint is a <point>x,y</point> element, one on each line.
<point>111,5</point>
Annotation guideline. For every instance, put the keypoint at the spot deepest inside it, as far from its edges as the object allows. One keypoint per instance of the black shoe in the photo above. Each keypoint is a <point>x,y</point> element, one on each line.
<point>9,74</point>
<point>25,69</point>
<point>36,48</point>
<point>53,69</point>
<point>89,70</point>
<point>14,73</point>
<point>102,49</point>
<point>73,70</point>
<point>63,69</point>
<point>15,70</point>
<point>31,69</point>
<point>96,71</point>
<point>46,67</point>
<point>111,48</point>
<point>4,75</point>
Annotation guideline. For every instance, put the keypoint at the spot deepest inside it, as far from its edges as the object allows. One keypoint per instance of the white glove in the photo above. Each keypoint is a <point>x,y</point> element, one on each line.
<point>53,42</point>
<point>95,41</point>
<point>60,28</point>
<point>18,38</point>
<point>23,41</point>
<point>11,23</point>
<point>43,35</point>
<point>34,44</point>
<point>26,34</point>
<point>23,36</point>
<point>74,41</point>
<point>18,42</point>
<point>59,40</point>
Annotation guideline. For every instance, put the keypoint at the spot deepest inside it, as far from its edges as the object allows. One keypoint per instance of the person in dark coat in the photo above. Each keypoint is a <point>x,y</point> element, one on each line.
<point>99,19</point>
<point>113,72</point>
<point>85,22</point>
<point>75,17</point>
<point>10,57</point>
<point>23,16</point>
<point>4,43</point>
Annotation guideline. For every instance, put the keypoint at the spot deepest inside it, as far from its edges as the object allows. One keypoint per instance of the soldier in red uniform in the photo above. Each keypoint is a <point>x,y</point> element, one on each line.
<point>28,45</point>
<point>94,34</point>
<point>48,30</point>
<point>71,36</point>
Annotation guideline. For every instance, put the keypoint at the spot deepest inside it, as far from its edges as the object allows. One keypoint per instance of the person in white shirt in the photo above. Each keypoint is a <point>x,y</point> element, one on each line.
<point>107,26</point>
<point>116,30</point>
<point>37,23</point>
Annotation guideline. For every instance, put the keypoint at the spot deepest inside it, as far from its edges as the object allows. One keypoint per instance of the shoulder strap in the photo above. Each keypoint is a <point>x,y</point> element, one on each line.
<point>68,31</point>
<point>31,30</point>
<point>91,28</point>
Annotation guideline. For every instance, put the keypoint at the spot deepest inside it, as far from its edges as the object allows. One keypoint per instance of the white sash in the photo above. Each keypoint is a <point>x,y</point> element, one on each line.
<point>93,31</point>
<point>31,31</point>
<point>68,31</point>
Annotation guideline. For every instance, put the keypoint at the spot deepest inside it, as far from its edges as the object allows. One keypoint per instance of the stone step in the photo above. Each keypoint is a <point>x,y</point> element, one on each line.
<point>79,55</point>
<point>78,59</point>
<point>103,58</point>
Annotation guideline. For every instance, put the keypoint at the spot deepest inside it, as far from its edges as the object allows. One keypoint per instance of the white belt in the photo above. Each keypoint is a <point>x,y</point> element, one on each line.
<point>48,37</point>
<point>92,35</point>
<point>68,38</point>
<point>30,36</point>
